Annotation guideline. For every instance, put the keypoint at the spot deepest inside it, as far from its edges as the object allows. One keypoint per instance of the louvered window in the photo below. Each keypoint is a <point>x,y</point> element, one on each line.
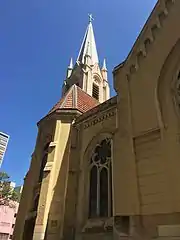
<point>95,91</point>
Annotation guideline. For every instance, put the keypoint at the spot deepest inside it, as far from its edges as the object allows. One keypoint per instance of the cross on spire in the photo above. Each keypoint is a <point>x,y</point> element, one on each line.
<point>88,46</point>
<point>90,17</point>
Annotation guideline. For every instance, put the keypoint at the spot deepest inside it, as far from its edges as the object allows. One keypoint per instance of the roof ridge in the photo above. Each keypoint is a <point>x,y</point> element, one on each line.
<point>66,95</point>
<point>75,98</point>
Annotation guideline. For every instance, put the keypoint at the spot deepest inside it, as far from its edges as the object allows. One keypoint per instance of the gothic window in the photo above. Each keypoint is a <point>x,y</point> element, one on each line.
<point>100,193</point>
<point>95,91</point>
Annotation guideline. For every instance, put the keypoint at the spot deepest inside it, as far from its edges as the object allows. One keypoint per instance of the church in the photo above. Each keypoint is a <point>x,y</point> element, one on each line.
<point>109,168</point>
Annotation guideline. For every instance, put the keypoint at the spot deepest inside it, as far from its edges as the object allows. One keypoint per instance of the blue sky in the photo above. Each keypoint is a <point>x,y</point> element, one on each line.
<point>37,39</point>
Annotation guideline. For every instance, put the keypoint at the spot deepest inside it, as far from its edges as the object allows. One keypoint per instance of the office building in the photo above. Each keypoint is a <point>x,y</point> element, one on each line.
<point>4,138</point>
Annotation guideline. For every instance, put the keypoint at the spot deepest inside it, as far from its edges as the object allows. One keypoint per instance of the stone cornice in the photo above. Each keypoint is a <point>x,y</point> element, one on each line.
<point>100,118</point>
<point>112,102</point>
<point>60,114</point>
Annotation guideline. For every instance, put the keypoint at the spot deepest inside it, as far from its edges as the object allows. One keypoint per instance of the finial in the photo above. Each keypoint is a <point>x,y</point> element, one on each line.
<point>90,18</point>
<point>104,65</point>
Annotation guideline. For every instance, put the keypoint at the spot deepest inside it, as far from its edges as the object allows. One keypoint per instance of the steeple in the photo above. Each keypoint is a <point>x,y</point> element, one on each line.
<point>86,73</point>
<point>88,47</point>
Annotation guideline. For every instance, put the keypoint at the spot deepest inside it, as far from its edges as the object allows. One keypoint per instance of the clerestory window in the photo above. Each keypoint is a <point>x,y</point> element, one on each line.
<point>100,193</point>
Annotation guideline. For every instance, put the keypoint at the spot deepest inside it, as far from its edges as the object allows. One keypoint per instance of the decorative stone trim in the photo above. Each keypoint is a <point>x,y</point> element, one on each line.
<point>169,4</point>
<point>140,56</point>
<point>155,29</point>
<point>100,108</point>
<point>162,15</point>
<point>99,119</point>
<point>152,32</point>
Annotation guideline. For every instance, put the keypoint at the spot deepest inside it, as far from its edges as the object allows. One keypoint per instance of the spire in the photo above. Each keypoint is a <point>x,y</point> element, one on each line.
<point>104,68</point>
<point>88,45</point>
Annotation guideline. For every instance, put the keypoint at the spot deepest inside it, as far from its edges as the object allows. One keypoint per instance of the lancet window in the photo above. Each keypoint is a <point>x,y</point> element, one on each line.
<point>95,91</point>
<point>100,191</point>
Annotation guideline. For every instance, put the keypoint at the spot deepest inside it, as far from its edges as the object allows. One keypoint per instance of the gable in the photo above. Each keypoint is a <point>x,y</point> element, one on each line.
<point>76,98</point>
<point>143,65</point>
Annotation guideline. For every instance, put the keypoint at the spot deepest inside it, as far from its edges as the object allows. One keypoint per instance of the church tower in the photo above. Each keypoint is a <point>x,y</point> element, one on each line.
<point>47,207</point>
<point>86,73</point>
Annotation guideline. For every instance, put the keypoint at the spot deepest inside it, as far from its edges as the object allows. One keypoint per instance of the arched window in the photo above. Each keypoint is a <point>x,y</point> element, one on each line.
<point>100,193</point>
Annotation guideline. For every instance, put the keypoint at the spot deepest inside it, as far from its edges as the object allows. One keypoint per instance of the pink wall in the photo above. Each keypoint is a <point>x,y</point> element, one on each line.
<point>7,218</point>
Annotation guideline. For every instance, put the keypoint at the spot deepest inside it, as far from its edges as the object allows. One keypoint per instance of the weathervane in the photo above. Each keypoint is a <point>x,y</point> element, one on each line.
<point>90,17</point>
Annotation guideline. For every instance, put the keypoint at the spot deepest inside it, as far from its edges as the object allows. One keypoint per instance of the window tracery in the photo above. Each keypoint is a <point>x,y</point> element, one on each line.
<point>100,193</point>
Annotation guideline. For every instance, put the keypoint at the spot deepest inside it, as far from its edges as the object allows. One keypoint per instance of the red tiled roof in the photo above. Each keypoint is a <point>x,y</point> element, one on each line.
<point>76,98</point>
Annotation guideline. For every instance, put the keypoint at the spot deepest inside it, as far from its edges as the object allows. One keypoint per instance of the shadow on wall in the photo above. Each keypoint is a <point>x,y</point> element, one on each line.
<point>56,217</point>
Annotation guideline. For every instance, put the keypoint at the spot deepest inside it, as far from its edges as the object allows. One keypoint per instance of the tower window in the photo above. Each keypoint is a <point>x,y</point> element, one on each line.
<point>100,191</point>
<point>95,91</point>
